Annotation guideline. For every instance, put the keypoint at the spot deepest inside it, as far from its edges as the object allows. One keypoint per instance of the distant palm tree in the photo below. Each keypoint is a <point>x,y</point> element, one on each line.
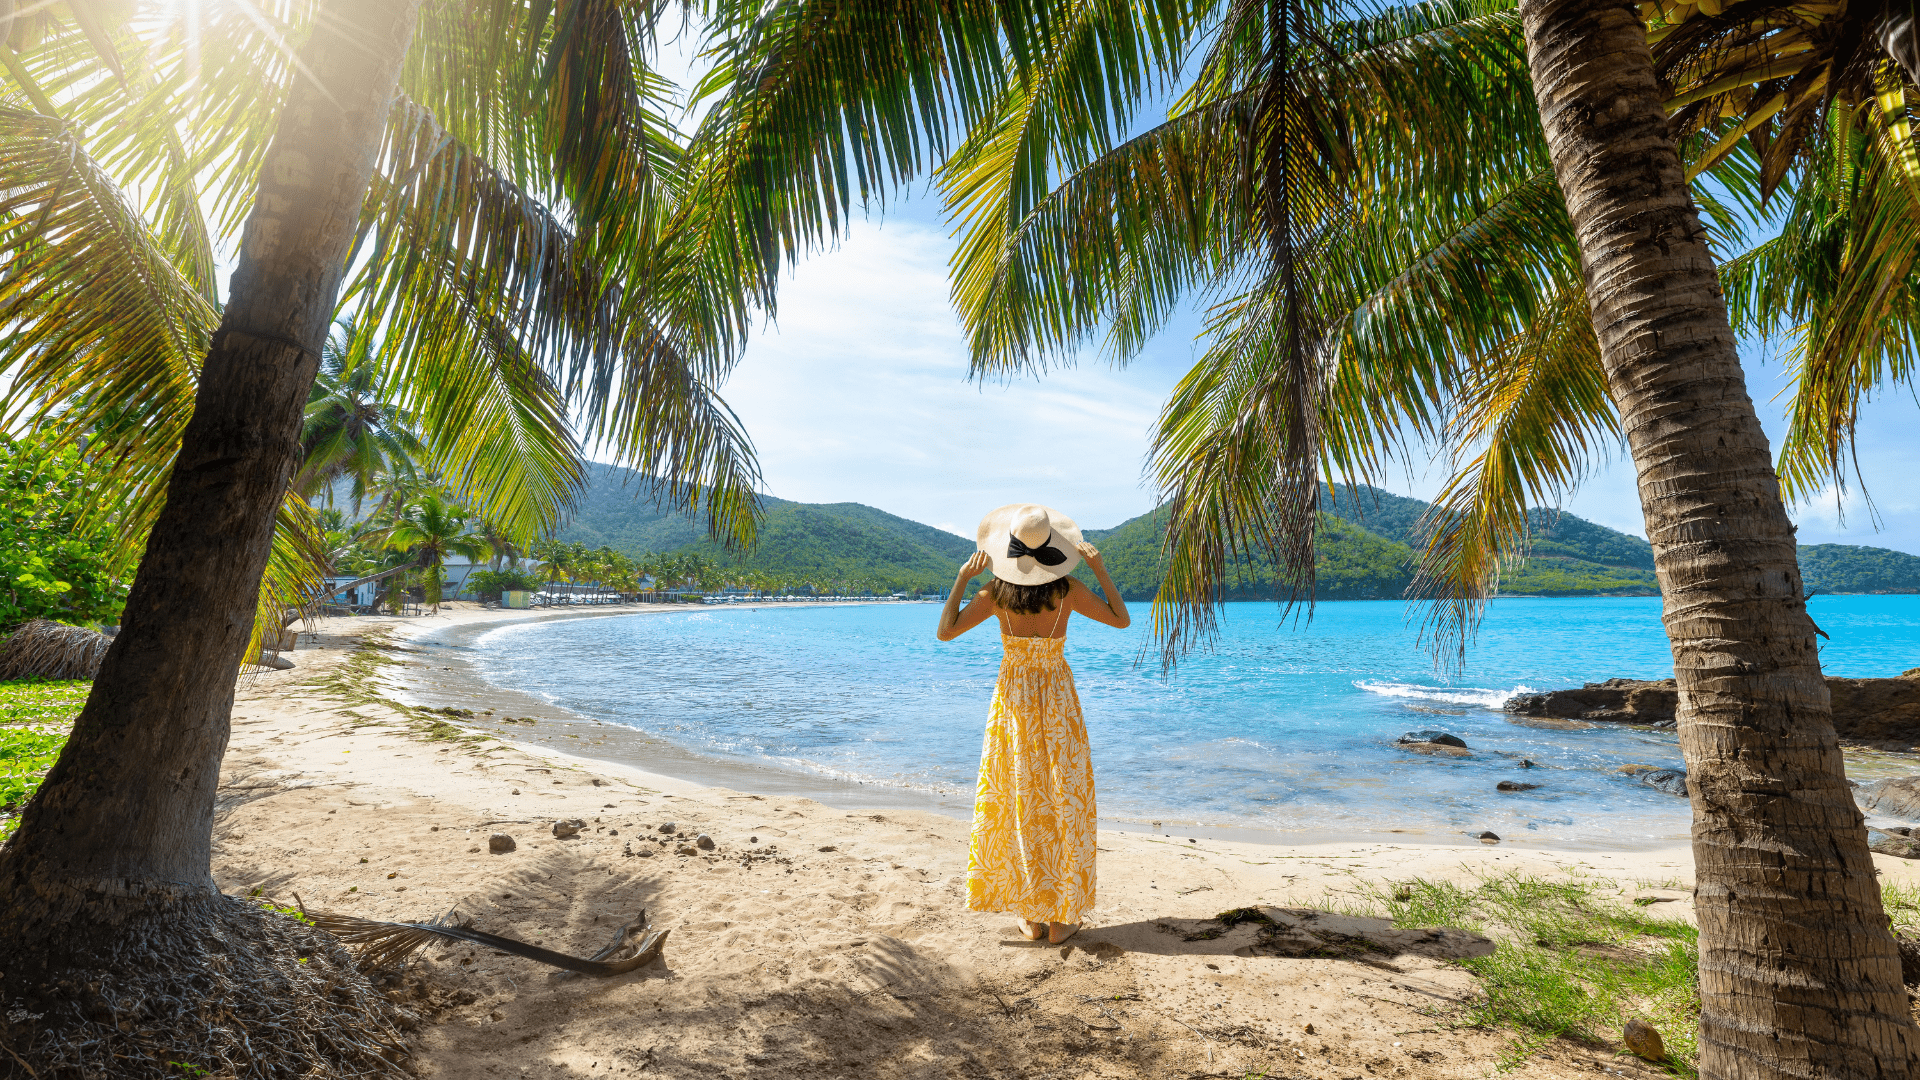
<point>557,560</point>
<point>430,528</point>
<point>507,549</point>
<point>351,429</point>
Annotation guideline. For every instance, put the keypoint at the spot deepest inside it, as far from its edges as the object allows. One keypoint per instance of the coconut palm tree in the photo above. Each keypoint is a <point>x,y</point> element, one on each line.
<point>351,430</point>
<point>491,187</point>
<point>505,549</point>
<point>1799,975</point>
<point>429,529</point>
<point>1392,248</point>
<point>1293,381</point>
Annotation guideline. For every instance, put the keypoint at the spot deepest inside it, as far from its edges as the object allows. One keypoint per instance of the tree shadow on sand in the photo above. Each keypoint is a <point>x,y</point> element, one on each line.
<point>869,1006</point>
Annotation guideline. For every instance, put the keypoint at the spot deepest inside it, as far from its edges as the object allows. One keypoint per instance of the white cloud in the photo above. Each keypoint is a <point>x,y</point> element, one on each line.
<point>860,393</point>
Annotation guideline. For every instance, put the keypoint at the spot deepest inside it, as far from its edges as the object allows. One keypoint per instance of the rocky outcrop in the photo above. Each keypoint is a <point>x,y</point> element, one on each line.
<point>1900,847</point>
<point>1898,797</point>
<point>1879,712</point>
<point>1617,701</point>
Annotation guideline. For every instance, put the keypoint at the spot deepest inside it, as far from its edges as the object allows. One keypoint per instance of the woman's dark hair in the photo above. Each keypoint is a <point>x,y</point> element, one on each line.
<point>1027,599</point>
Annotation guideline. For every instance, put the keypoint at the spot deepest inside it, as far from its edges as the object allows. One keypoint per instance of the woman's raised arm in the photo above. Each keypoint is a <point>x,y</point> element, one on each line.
<point>954,621</point>
<point>1114,611</point>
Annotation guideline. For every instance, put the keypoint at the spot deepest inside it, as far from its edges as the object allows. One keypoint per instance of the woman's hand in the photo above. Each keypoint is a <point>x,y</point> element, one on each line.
<point>953,621</point>
<point>979,564</point>
<point>1113,611</point>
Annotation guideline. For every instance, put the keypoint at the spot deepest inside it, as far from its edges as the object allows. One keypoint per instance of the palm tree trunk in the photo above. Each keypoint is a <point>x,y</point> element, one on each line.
<point>1799,976</point>
<point>116,843</point>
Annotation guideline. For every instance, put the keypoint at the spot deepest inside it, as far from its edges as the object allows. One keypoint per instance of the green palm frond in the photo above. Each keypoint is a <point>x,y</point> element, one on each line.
<point>822,105</point>
<point>1226,457</point>
<point>104,333</point>
<point>1842,283</point>
<point>501,320</point>
<point>1068,109</point>
<point>1531,418</point>
<point>496,322</point>
<point>1116,245</point>
<point>352,430</point>
<point>296,572</point>
<point>1119,242</point>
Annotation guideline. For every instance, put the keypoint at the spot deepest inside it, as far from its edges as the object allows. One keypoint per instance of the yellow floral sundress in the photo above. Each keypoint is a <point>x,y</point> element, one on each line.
<point>1033,812</point>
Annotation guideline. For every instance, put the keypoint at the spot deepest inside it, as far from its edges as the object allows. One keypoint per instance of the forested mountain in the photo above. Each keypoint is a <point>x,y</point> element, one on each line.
<point>830,545</point>
<point>1569,555</point>
<point>1848,568</point>
<point>1351,563</point>
<point>1366,549</point>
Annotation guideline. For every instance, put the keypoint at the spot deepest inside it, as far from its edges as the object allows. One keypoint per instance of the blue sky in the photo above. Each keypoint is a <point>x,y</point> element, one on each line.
<point>859,393</point>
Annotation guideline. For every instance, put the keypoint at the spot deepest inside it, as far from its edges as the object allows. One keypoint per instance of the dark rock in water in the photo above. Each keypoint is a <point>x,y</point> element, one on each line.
<point>1434,749</point>
<point>1898,797</point>
<point>1904,847</point>
<point>1880,712</point>
<point>1438,738</point>
<point>1513,785</point>
<point>1488,837</point>
<point>1527,763</point>
<point>1671,781</point>
<point>500,843</point>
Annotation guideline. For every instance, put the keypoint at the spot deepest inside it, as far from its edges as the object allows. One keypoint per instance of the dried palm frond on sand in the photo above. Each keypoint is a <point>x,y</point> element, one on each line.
<point>376,944</point>
<point>51,650</point>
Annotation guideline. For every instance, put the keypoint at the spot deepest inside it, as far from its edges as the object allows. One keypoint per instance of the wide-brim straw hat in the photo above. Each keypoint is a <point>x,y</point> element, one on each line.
<point>1023,538</point>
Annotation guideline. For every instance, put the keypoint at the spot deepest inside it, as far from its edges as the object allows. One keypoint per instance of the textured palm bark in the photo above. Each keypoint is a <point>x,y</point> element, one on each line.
<point>124,820</point>
<point>1799,975</point>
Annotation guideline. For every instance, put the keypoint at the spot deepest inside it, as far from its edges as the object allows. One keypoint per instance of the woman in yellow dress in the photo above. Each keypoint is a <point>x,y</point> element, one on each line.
<point>1033,811</point>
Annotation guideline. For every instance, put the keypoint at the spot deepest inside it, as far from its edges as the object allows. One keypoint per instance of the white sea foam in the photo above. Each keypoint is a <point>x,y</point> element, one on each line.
<point>1448,695</point>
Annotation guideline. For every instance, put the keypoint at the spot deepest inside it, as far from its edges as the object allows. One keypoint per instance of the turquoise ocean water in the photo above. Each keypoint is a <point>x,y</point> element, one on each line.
<point>1284,725</point>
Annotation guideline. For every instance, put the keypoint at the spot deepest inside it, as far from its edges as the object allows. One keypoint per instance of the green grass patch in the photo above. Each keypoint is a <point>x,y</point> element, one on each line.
<point>1568,965</point>
<point>1903,908</point>
<point>35,719</point>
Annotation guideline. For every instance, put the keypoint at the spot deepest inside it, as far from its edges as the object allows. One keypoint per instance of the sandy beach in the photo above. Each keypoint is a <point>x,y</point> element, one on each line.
<point>813,940</point>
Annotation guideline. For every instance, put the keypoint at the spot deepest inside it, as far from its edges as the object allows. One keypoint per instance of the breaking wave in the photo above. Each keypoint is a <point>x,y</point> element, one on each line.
<point>1448,695</point>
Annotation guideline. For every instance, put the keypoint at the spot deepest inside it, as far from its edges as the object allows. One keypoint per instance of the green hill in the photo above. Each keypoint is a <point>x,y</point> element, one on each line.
<point>1362,553</point>
<point>828,544</point>
<point>1847,568</point>
<point>1382,513</point>
<point>1365,550</point>
<point>1569,555</point>
<point>1350,562</point>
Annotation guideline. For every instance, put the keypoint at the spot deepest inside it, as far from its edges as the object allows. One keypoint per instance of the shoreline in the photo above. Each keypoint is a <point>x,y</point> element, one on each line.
<point>816,940</point>
<point>446,677</point>
<point>452,680</point>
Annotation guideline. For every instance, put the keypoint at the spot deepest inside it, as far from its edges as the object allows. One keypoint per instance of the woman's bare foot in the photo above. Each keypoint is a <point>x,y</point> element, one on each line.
<point>1034,930</point>
<point>1059,931</point>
